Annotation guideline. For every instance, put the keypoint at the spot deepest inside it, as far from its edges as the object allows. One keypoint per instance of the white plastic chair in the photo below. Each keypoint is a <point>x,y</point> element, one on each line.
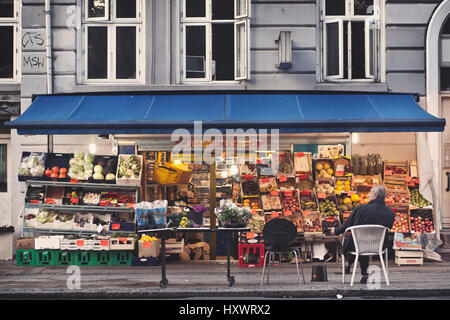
<point>368,240</point>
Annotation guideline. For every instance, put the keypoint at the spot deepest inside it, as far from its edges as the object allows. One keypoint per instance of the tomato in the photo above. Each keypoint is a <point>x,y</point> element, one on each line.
<point>48,172</point>
<point>55,170</point>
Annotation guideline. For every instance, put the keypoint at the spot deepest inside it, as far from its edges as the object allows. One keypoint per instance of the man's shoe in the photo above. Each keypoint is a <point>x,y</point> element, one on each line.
<point>364,279</point>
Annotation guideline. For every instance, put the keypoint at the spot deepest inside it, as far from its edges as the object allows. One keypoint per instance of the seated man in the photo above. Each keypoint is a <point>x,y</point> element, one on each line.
<point>375,212</point>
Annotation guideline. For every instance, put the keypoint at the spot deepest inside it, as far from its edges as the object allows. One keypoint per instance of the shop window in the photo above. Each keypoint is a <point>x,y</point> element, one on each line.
<point>445,78</point>
<point>350,39</point>
<point>215,40</point>
<point>446,28</point>
<point>113,32</point>
<point>3,168</point>
<point>9,27</point>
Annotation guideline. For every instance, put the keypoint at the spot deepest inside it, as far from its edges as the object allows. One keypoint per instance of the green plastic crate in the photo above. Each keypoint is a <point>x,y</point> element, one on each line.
<point>25,257</point>
<point>85,258</point>
<point>104,258</point>
<point>65,257</point>
<point>46,258</point>
<point>121,258</point>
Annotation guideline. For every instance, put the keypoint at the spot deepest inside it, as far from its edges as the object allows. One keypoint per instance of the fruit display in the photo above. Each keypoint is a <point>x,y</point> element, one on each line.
<point>286,183</point>
<point>342,167</point>
<point>345,203</point>
<point>72,196</point>
<point>364,197</point>
<point>330,151</point>
<point>308,200</point>
<point>324,169</point>
<point>303,163</point>
<point>395,182</point>
<point>325,188</point>
<point>343,186</point>
<point>290,202</point>
<point>271,202</point>
<point>296,219</point>
<point>392,169</point>
<point>422,221</point>
<point>284,163</point>
<point>328,208</point>
<point>305,182</point>
<point>401,222</point>
<point>35,195</point>
<point>54,195</point>
<point>256,221</point>
<point>250,186</point>
<point>397,197</point>
<point>416,198</point>
<point>32,165</point>
<point>81,166</point>
<point>328,223</point>
<point>311,222</point>
<point>267,184</point>
<point>366,181</point>
<point>251,203</point>
<point>91,198</point>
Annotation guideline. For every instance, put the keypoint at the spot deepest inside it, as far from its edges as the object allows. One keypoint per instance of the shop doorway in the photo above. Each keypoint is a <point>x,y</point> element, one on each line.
<point>445,186</point>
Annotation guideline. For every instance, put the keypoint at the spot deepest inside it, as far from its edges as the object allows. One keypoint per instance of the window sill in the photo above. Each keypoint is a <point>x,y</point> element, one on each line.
<point>9,87</point>
<point>353,86</point>
<point>169,87</point>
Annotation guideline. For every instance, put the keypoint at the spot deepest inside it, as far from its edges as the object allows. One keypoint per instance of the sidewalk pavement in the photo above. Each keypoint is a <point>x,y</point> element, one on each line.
<point>208,280</point>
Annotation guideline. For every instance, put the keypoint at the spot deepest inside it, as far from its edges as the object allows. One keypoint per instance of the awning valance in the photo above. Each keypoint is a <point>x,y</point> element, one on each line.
<point>291,112</point>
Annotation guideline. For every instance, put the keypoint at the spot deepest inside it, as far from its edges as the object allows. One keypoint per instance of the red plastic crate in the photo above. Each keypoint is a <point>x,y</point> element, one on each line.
<point>251,255</point>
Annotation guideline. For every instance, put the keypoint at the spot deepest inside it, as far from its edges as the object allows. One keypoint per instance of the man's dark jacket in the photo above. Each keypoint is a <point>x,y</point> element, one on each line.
<point>375,212</point>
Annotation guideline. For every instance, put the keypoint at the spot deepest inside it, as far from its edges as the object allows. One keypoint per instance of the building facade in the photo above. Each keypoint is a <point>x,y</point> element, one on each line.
<point>64,46</point>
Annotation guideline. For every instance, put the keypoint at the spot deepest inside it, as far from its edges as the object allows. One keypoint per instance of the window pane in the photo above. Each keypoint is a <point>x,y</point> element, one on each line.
<point>241,43</point>
<point>335,7</point>
<point>126,8</point>
<point>372,49</point>
<point>126,53</point>
<point>6,8</point>
<point>363,7</point>
<point>7,55</point>
<point>242,9</point>
<point>222,9</point>
<point>223,50</point>
<point>97,53</point>
<point>358,51</point>
<point>446,27</point>
<point>3,166</point>
<point>195,51</point>
<point>96,8</point>
<point>195,8</point>
<point>445,79</point>
<point>332,31</point>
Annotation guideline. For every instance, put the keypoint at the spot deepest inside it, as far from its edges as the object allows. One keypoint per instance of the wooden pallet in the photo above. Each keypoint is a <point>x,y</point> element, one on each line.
<point>408,257</point>
<point>174,246</point>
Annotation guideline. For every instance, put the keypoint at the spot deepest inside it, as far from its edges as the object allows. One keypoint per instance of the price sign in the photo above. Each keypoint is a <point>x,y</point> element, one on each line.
<point>350,193</point>
<point>287,213</point>
<point>130,205</point>
<point>34,201</point>
<point>253,211</point>
<point>274,193</point>
<point>115,226</point>
<point>248,177</point>
<point>299,154</point>
<point>408,178</point>
<point>260,161</point>
<point>104,243</point>
<point>73,181</point>
<point>306,192</point>
<point>321,195</point>
<point>123,240</point>
<point>282,178</point>
<point>288,193</point>
<point>146,244</point>
<point>74,200</point>
<point>330,219</point>
<point>265,180</point>
<point>303,176</point>
<point>306,212</point>
<point>80,243</point>
<point>250,235</point>
<point>274,214</point>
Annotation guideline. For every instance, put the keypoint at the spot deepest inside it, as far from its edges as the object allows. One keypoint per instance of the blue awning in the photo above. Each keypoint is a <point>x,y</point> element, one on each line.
<point>165,112</point>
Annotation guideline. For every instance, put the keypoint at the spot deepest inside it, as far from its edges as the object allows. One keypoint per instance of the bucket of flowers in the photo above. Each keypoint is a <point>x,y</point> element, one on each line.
<point>232,216</point>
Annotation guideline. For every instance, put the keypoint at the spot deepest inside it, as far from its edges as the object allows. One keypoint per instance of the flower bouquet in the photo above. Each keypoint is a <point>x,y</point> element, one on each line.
<point>232,216</point>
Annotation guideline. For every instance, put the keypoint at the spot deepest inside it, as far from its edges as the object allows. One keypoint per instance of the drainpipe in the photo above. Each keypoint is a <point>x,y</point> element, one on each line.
<point>48,36</point>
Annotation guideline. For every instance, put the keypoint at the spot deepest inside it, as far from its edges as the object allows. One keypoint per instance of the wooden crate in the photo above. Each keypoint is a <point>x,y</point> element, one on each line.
<point>174,246</point>
<point>397,164</point>
<point>122,243</point>
<point>395,182</point>
<point>408,257</point>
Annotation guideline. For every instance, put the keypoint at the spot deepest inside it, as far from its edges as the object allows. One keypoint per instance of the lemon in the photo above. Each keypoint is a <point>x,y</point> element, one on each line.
<point>347,183</point>
<point>339,183</point>
<point>326,165</point>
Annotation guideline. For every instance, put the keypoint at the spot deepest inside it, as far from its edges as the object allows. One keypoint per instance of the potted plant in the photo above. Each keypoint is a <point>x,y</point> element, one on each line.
<point>194,215</point>
<point>232,216</point>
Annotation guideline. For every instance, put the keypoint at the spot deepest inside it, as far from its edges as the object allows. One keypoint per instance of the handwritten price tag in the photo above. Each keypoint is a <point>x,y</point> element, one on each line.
<point>321,195</point>
<point>146,244</point>
<point>130,205</point>
<point>104,243</point>
<point>287,213</point>
<point>282,178</point>
<point>274,214</point>
<point>115,226</point>
<point>253,211</point>
<point>248,177</point>
<point>288,193</point>
<point>73,181</point>
<point>273,193</point>
<point>80,243</point>
<point>299,154</point>
<point>303,176</point>
<point>330,219</point>
<point>250,235</point>
<point>123,240</point>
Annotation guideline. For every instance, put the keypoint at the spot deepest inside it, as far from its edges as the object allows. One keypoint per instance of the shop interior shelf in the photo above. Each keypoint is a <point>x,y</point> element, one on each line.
<point>63,207</point>
<point>83,185</point>
<point>39,230</point>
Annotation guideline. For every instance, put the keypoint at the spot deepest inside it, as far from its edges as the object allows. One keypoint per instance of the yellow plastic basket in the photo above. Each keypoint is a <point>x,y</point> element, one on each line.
<point>165,175</point>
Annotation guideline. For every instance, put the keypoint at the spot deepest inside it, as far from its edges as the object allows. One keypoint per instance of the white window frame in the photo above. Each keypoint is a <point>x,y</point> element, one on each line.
<point>341,49</point>
<point>208,21</point>
<point>111,24</point>
<point>15,23</point>
<point>351,17</point>
<point>105,18</point>
<point>240,74</point>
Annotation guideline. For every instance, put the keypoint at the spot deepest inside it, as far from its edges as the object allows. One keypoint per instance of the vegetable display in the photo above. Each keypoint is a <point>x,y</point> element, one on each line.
<point>81,166</point>
<point>129,168</point>
<point>32,165</point>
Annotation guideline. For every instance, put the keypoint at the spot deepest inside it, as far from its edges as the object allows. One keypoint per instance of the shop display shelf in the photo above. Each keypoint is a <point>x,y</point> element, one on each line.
<point>122,244</point>
<point>83,185</point>
<point>62,207</point>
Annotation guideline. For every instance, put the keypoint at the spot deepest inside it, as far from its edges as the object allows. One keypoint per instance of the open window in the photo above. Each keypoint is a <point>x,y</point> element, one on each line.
<point>371,37</point>
<point>241,50</point>
<point>96,10</point>
<point>334,49</point>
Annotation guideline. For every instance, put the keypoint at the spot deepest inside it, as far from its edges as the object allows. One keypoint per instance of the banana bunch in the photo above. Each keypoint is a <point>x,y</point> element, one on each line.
<point>147,238</point>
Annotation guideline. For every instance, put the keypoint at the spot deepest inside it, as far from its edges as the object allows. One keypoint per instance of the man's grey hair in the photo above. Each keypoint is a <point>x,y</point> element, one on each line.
<point>378,192</point>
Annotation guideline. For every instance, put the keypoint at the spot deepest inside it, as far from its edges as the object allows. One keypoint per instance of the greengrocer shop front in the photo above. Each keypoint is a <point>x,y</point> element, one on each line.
<point>175,157</point>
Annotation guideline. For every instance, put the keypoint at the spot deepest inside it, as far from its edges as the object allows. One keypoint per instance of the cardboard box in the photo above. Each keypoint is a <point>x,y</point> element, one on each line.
<point>149,249</point>
<point>24,243</point>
